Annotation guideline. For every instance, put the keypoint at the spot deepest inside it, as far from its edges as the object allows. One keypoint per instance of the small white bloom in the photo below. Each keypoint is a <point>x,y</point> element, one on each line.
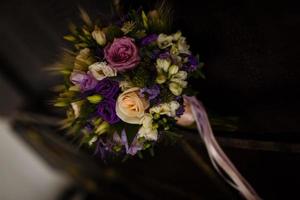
<point>176,35</point>
<point>147,130</point>
<point>101,70</point>
<point>182,75</point>
<point>163,64</point>
<point>173,70</point>
<point>175,88</point>
<point>180,82</point>
<point>168,109</point>
<point>99,36</point>
<point>164,41</point>
<point>160,79</point>
<point>182,46</point>
<point>174,50</point>
<point>174,105</point>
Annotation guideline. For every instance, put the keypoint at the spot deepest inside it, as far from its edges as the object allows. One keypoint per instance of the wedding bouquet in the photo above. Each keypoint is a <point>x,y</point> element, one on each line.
<point>124,92</point>
<point>126,88</point>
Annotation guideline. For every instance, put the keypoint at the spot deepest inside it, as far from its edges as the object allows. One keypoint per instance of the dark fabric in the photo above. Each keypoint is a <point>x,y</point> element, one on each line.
<point>251,54</point>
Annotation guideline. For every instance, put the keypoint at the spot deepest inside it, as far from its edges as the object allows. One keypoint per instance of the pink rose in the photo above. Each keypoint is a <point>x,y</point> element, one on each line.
<point>122,54</point>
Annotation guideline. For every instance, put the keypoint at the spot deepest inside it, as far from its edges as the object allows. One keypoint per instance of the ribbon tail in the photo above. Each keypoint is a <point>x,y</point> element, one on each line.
<point>220,161</point>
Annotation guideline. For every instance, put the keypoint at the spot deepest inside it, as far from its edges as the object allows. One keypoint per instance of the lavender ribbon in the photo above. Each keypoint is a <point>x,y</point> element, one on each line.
<point>217,156</point>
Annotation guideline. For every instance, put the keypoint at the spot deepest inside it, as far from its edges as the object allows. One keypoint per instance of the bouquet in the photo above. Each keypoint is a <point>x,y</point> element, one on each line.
<point>126,88</point>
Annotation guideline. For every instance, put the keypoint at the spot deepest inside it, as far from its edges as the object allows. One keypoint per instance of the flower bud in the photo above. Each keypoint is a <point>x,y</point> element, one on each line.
<point>163,64</point>
<point>102,128</point>
<point>94,99</point>
<point>160,79</point>
<point>173,70</point>
<point>99,36</point>
<point>175,88</point>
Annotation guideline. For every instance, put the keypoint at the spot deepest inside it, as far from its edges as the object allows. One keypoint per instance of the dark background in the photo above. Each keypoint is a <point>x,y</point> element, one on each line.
<point>252,66</point>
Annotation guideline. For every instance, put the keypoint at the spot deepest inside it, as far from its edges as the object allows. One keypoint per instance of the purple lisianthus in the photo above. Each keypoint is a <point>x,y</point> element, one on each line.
<point>164,55</point>
<point>151,92</point>
<point>148,39</point>
<point>122,54</point>
<point>192,64</point>
<point>107,111</point>
<point>84,80</point>
<point>180,111</point>
<point>108,88</point>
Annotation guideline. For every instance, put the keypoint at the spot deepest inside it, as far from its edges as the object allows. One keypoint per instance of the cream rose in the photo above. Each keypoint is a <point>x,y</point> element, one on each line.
<point>131,106</point>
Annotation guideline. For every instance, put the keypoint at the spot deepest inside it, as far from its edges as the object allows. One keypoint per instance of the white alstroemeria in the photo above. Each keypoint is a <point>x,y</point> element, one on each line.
<point>182,46</point>
<point>174,50</point>
<point>148,131</point>
<point>101,70</point>
<point>99,36</point>
<point>168,109</point>
<point>180,75</point>
<point>177,35</point>
<point>161,78</point>
<point>163,64</point>
<point>174,105</point>
<point>173,70</point>
<point>76,106</point>
<point>182,83</point>
<point>164,41</point>
<point>175,88</point>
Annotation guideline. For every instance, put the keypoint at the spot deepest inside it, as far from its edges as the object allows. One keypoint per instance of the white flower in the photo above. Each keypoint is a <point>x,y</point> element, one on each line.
<point>101,70</point>
<point>175,88</point>
<point>180,75</point>
<point>164,41</point>
<point>163,64</point>
<point>176,35</point>
<point>148,131</point>
<point>160,79</point>
<point>173,70</point>
<point>168,109</point>
<point>182,46</point>
<point>99,36</point>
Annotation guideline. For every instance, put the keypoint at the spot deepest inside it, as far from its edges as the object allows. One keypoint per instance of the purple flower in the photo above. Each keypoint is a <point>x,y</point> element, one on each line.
<point>84,80</point>
<point>135,145</point>
<point>155,54</point>
<point>151,92</point>
<point>192,64</point>
<point>122,54</point>
<point>149,39</point>
<point>164,55</point>
<point>180,111</point>
<point>108,88</point>
<point>107,111</point>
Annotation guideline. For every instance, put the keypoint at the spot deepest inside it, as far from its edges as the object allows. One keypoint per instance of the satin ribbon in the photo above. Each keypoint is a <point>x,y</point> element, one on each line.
<point>217,156</point>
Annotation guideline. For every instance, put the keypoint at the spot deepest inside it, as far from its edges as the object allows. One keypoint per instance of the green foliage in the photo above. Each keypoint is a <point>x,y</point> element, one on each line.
<point>112,32</point>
